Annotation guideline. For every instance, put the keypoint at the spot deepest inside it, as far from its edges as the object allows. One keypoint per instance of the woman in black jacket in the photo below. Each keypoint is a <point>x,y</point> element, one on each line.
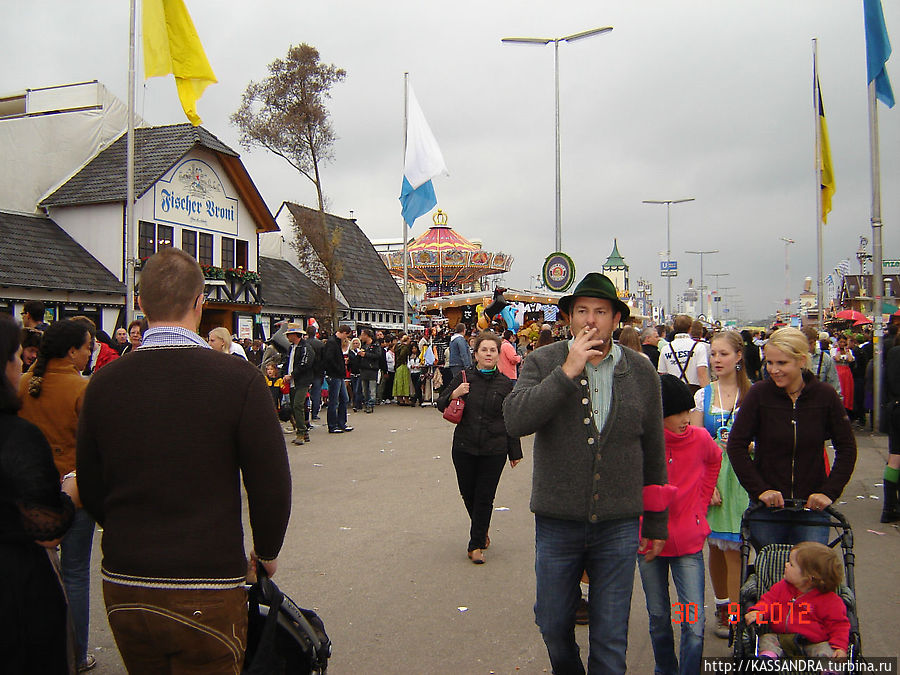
<point>34,514</point>
<point>480,442</point>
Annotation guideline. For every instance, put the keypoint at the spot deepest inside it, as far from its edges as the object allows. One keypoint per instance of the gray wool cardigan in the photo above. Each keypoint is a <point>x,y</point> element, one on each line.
<point>581,472</point>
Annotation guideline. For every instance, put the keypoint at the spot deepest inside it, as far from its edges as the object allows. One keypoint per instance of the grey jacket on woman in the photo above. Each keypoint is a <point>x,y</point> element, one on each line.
<point>581,472</point>
<point>824,369</point>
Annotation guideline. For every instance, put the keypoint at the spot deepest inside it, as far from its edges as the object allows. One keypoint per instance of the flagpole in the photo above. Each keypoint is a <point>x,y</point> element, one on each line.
<point>405,234</point>
<point>820,228</point>
<point>129,174</point>
<point>877,280</point>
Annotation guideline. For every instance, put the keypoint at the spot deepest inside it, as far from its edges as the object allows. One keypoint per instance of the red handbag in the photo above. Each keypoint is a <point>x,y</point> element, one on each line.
<point>454,412</point>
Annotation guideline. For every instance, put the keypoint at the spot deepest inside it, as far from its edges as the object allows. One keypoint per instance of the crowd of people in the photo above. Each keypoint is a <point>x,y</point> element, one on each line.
<point>648,447</point>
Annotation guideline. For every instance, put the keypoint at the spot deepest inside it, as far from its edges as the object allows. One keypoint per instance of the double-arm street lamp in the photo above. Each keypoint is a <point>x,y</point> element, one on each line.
<point>701,254</point>
<point>556,41</point>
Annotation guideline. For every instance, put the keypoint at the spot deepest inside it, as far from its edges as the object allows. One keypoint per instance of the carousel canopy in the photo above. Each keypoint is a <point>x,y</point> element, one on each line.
<point>443,258</point>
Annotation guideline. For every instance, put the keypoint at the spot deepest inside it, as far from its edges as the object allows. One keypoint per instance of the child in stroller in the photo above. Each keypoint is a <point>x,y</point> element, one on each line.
<point>765,572</point>
<point>805,602</point>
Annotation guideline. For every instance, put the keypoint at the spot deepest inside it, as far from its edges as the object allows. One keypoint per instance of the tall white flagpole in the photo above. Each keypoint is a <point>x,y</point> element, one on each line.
<point>129,174</point>
<point>405,234</point>
<point>877,280</point>
<point>820,226</point>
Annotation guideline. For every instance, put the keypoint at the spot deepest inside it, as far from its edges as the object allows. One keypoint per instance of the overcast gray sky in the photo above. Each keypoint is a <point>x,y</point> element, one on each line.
<point>706,99</point>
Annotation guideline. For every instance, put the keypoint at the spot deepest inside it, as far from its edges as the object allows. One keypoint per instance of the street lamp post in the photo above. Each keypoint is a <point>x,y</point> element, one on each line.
<point>556,41</point>
<point>701,254</point>
<point>668,203</point>
<point>720,274</point>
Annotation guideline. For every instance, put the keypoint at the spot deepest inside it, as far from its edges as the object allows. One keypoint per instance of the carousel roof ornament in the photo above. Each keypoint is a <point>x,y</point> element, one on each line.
<point>443,256</point>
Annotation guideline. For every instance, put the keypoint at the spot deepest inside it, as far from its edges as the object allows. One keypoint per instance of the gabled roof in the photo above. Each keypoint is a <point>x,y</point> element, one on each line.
<point>366,282</point>
<point>283,285</point>
<point>156,149</point>
<point>36,253</point>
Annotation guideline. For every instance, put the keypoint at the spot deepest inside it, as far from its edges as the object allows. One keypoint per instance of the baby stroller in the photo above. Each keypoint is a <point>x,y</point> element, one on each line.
<point>768,567</point>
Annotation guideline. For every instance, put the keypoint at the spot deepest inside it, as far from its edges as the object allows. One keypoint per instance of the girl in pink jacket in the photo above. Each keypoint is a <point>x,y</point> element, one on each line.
<point>692,462</point>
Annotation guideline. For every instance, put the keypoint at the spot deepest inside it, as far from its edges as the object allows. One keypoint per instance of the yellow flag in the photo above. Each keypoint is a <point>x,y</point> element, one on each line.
<point>825,166</point>
<point>171,45</point>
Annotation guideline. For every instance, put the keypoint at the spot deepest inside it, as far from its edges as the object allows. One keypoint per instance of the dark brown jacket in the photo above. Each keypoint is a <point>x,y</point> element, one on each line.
<point>790,441</point>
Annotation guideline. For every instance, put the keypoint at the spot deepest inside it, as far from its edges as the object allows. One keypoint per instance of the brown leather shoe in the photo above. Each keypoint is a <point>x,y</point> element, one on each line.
<point>582,613</point>
<point>477,556</point>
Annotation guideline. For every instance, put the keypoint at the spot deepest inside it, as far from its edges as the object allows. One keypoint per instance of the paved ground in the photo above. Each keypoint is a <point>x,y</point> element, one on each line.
<point>377,545</point>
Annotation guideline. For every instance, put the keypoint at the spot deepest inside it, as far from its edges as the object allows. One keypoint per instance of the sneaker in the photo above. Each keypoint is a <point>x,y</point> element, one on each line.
<point>89,663</point>
<point>306,437</point>
<point>722,629</point>
<point>348,428</point>
<point>335,431</point>
<point>297,441</point>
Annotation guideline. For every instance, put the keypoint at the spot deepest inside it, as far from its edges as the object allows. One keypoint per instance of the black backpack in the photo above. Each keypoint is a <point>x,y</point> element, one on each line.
<point>281,636</point>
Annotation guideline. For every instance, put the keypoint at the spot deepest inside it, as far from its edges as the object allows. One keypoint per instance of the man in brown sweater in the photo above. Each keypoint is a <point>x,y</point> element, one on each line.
<point>165,437</point>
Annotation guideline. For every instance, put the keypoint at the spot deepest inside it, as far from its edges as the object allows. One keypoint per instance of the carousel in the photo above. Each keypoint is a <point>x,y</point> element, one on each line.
<point>444,262</point>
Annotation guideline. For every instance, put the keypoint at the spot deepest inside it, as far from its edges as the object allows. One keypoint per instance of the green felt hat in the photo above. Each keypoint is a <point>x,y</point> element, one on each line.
<point>596,285</point>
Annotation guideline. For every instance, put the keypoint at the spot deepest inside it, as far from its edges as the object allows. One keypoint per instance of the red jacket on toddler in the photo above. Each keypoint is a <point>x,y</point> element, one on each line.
<point>817,616</point>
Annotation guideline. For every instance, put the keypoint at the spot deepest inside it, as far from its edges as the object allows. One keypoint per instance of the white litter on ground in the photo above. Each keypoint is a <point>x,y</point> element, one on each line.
<point>502,508</point>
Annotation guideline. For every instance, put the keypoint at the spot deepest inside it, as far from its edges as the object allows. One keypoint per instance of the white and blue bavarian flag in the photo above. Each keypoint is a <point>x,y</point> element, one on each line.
<point>423,162</point>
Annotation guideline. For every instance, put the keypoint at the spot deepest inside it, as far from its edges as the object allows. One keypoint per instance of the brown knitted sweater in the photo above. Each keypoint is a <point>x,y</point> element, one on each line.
<point>164,439</point>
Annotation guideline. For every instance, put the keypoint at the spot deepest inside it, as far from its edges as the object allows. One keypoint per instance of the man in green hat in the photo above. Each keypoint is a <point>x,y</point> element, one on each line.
<point>599,465</point>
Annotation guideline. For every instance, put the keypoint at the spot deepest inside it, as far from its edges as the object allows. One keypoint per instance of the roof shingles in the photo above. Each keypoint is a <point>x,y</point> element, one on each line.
<point>37,253</point>
<point>157,149</point>
<point>366,282</point>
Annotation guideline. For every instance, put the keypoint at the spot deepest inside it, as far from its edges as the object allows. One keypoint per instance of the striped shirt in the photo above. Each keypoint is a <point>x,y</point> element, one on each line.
<point>172,336</point>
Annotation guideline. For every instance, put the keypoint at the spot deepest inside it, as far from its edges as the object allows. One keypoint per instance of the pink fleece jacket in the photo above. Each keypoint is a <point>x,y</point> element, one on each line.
<point>692,461</point>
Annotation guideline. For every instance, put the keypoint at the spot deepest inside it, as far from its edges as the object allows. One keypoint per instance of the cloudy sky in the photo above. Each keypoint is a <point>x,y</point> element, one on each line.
<point>706,99</point>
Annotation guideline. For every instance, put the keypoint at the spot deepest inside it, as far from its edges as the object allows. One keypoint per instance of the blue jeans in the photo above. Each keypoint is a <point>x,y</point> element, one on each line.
<point>337,403</point>
<point>689,577</point>
<point>765,527</point>
<point>315,396</point>
<point>369,391</point>
<point>564,549</point>
<point>356,388</point>
<point>75,563</point>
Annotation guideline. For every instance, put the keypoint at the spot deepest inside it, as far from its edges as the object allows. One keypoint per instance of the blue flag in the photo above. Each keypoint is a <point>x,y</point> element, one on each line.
<point>416,202</point>
<point>878,51</point>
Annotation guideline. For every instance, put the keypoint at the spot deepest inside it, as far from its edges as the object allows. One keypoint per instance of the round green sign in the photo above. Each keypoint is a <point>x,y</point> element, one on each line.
<point>558,272</point>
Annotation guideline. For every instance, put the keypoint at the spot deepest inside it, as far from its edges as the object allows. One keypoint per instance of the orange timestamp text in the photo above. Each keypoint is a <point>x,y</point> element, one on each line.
<point>797,613</point>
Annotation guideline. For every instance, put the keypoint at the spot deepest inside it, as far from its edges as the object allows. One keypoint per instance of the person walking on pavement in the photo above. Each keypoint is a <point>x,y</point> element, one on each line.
<point>168,494</point>
<point>300,376</point>
<point>315,390</point>
<point>480,442</point>
<point>335,371</point>
<point>460,357</point>
<point>684,357</point>
<point>371,361</point>
<point>590,489</point>
<point>509,357</point>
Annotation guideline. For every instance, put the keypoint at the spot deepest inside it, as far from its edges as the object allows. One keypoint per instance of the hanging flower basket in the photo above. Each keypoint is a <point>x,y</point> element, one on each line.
<point>212,272</point>
<point>241,275</point>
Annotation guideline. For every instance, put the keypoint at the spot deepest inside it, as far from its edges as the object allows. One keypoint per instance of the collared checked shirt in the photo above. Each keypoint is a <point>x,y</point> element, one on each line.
<point>600,381</point>
<point>172,336</point>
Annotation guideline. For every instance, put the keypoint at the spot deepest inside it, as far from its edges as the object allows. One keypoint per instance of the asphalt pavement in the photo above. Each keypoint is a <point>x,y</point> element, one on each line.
<point>377,546</point>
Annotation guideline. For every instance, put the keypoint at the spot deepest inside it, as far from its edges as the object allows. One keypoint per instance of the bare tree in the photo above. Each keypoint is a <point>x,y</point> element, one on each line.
<point>286,114</point>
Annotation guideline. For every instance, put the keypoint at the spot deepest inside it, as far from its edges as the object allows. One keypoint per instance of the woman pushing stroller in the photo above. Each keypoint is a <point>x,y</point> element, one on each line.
<point>789,416</point>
